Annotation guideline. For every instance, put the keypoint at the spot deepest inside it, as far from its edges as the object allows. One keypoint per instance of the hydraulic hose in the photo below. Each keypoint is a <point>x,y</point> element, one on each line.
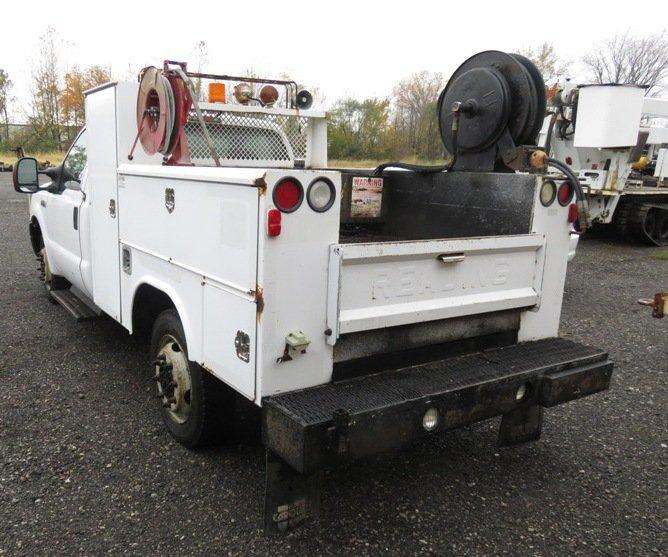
<point>583,206</point>
<point>456,112</point>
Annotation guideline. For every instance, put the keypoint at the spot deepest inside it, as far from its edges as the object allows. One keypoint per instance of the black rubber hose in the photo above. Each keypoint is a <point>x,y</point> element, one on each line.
<point>406,166</point>
<point>426,169</point>
<point>550,130</point>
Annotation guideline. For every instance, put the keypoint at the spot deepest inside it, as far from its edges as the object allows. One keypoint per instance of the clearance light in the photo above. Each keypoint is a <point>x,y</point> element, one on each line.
<point>321,194</point>
<point>573,213</point>
<point>273,222</point>
<point>565,194</point>
<point>268,95</point>
<point>217,93</point>
<point>243,92</point>
<point>288,195</point>
<point>548,192</point>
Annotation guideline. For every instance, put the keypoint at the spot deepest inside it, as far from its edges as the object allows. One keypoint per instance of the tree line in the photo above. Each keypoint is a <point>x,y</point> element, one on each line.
<point>55,111</point>
<point>402,125</point>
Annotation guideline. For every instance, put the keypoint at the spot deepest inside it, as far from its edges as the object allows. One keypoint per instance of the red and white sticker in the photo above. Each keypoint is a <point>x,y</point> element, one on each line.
<point>367,197</point>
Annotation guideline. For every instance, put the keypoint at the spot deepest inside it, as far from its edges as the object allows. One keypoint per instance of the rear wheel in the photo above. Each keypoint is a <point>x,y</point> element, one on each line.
<point>196,407</point>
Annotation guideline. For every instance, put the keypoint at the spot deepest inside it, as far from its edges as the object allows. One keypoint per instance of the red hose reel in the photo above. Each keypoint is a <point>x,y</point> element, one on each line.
<point>163,105</point>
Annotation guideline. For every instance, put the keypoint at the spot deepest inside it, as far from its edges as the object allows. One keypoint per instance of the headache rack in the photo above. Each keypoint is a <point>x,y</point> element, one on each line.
<point>287,133</point>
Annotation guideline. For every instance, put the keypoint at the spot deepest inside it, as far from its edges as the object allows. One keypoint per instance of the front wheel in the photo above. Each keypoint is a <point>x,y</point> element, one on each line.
<point>51,282</point>
<point>196,407</point>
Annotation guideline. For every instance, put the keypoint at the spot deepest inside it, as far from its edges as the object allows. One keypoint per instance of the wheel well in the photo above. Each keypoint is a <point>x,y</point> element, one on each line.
<point>36,239</point>
<point>148,303</point>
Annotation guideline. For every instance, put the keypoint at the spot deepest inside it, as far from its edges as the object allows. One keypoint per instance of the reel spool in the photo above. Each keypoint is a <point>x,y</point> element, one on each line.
<point>493,102</point>
<point>163,103</point>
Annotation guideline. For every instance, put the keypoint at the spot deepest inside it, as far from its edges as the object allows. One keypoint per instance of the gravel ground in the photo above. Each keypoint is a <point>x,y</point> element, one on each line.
<point>86,466</point>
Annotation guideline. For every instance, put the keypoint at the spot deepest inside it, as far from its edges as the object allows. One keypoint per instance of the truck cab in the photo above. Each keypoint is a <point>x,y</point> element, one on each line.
<point>359,309</point>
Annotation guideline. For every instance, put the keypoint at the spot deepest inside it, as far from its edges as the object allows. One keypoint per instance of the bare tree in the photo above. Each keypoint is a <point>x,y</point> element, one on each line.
<point>45,103</point>
<point>5,86</point>
<point>547,60</point>
<point>628,59</point>
<point>414,113</point>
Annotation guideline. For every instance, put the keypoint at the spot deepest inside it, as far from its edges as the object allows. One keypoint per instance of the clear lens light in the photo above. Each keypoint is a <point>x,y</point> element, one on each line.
<point>547,193</point>
<point>320,195</point>
<point>430,419</point>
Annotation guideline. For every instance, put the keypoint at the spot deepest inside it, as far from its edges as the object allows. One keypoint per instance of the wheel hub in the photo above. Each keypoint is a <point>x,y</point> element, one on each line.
<point>172,376</point>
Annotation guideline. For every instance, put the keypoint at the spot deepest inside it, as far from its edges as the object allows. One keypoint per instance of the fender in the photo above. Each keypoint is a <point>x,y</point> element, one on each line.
<point>194,350</point>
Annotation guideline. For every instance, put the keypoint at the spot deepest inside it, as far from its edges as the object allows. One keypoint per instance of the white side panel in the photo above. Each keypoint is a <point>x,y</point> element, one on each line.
<point>292,274</point>
<point>224,316</point>
<point>102,163</point>
<point>542,321</point>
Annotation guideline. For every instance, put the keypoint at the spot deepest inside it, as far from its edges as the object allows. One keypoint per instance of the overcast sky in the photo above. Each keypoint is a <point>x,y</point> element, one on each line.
<point>341,46</point>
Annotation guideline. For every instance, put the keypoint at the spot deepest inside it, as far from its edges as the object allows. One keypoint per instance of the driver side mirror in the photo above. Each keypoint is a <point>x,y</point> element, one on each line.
<point>26,175</point>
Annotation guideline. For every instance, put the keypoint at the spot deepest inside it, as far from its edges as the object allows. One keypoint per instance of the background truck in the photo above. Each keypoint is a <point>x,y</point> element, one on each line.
<point>616,140</point>
<point>361,310</point>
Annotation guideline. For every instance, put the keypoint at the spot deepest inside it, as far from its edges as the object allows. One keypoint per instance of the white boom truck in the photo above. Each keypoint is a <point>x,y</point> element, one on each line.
<point>360,310</point>
<point>610,135</point>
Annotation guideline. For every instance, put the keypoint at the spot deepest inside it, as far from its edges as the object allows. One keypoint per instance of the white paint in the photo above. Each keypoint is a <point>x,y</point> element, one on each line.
<point>608,115</point>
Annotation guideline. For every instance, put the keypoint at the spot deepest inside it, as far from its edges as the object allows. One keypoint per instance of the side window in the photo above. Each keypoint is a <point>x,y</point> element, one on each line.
<point>76,158</point>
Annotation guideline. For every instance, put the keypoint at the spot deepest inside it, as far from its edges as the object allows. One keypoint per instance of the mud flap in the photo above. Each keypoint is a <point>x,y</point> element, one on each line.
<point>522,425</point>
<point>290,497</point>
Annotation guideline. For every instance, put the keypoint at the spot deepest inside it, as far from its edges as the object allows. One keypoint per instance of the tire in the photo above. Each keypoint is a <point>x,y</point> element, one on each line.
<point>197,408</point>
<point>51,282</point>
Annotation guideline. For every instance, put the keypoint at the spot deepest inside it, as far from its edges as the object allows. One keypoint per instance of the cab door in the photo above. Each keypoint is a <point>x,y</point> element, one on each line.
<point>63,242</point>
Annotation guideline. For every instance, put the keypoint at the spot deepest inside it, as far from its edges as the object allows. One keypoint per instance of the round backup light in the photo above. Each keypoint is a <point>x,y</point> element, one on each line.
<point>430,419</point>
<point>565,194</point>
<point>320,195</point>
<point>288,195</point>
<point>548,192</point>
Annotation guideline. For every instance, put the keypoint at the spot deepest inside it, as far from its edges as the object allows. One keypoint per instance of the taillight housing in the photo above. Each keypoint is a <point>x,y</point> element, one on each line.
<point>321,194</point>
<point>288,195</point>
<point>565,193</point>
<point>273,222</point>
<point>548,192</point>
<point>573,213</point>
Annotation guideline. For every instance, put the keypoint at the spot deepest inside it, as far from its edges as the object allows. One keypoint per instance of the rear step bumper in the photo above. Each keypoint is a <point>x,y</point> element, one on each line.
<point>317,427</point>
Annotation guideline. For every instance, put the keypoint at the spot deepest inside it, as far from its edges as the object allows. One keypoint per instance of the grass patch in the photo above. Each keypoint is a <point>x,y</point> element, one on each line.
<point>54,157</point>
<point>661,255</point>
<point>373,163</point>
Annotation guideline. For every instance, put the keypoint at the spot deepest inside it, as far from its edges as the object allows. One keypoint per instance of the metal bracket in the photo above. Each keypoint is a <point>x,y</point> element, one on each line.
<point>290,497</point>
<point>339,431</point>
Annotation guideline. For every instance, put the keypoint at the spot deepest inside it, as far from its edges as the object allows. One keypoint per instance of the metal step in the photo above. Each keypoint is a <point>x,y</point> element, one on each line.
<point>385,410</point>
<point>76,307</point>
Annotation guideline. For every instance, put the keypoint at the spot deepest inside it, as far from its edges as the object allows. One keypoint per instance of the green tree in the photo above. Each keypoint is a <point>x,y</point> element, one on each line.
<point>358,129</point>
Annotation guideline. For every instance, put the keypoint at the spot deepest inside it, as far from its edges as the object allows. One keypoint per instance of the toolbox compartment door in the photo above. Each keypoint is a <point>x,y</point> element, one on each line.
<point>377,285</point>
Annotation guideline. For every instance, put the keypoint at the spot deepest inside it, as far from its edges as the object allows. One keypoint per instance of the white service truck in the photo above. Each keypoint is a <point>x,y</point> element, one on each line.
<point>613,136</point>
<point>360,310</point>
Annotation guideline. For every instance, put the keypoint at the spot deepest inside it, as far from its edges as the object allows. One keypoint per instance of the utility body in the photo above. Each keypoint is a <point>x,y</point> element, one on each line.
<point>361,310</point>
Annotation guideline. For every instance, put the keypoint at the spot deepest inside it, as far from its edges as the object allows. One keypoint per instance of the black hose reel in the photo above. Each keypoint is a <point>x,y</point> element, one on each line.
<point>493,103</point>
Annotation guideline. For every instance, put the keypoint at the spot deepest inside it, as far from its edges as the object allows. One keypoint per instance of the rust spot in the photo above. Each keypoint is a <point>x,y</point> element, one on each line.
<point>261,185</point>
<point>259,300</point>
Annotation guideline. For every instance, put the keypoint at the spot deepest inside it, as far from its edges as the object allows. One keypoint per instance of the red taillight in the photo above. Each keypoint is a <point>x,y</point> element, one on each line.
<point>273,222</point>
<point>288,195</point>
<point>569,161</point>
<point>572,213</point>
<point>564,194</point>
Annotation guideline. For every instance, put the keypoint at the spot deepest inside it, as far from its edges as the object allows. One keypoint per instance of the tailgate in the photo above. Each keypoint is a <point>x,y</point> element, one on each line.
<point>377,285</point>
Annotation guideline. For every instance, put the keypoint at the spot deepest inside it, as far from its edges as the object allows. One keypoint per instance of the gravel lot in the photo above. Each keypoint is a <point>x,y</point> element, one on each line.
<point>86,466</point>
